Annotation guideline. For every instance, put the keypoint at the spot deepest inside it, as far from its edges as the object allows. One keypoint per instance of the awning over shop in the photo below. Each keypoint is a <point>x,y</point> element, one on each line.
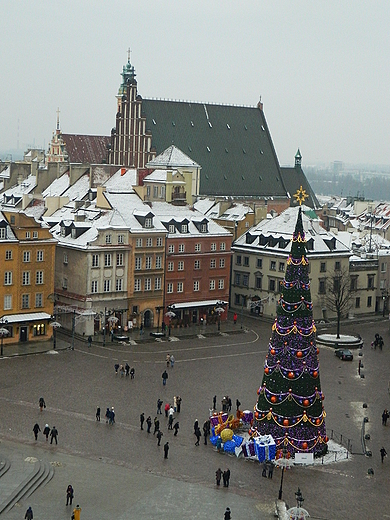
<point>34,316</point>
<point>203,303</point>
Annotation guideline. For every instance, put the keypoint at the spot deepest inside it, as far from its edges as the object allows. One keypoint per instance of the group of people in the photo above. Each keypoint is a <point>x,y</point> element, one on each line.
<point>378,342</point>
<point>206,431</point>
<point>170,360</point>
<point>124,370</point>
<point>110,415</point>
<point>53,432</point>
<point>225,475</point>
<point>268,468</point>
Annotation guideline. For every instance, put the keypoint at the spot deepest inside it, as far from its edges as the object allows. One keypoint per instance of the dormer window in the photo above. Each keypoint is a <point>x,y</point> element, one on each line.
<point>74,235</point>
<point>63,231</point>
<point>184,228</point>
<point>171,228</point>
<point>148,222</point>
<point>203,228</point>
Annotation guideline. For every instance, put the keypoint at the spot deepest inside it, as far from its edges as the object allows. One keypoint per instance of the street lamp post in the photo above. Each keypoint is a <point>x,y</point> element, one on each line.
<point>3,332</point>
<point>282,462</point>
<point>219,310</point>
<point>385,295</point>
<point>56,325</point>
<point>170,314</point>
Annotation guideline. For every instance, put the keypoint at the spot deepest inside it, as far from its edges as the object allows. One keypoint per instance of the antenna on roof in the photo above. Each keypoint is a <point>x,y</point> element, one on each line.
<point>128,54</point>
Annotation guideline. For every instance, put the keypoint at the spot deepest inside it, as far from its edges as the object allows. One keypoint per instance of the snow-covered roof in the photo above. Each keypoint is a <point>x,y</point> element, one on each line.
<point>123,180</point>
<point>172,157</point>
<point>57,187</point>
<point>79,189</point>
<point>204,205</point>
<point>26,186</point>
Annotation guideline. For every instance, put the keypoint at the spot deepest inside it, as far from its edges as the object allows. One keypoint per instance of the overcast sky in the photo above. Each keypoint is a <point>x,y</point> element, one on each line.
<point>321,68</point>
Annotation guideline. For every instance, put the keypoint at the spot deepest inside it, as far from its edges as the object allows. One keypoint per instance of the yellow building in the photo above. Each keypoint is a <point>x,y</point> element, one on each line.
<point>27,253</point>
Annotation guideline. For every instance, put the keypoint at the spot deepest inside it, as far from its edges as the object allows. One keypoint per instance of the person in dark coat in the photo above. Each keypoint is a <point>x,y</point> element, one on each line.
<point>227,477</point>
<point>170,422</point>
<point>156,425</point>
<point>127,369</point>
<point>36,429</point>
<point>383,453</point>
<point>198,436</point>
<point>385,416</point>
<point>238,404</point>
<point>215,402</point>
<point>53,435</point>
<point>227,515</point>
<point>98,413</point>
<point>270,469</point>
<point>205,433</point>
<point>159,437</point>
<point>159,405</point>
<point>69,495</point>
<point>178,403</point>
<point>176,428</point>
<point>164,377</point>
<point>29,514</point>
<point>46,431</point>
<point>42,403</point>
<point>132,372</point>
<point>166,449</point>
<point>149,423</point>
<point>218,475</point>
<point>196,425</point>
<point>264,472</point>
<point>89,341</point>
<point>141,420</point>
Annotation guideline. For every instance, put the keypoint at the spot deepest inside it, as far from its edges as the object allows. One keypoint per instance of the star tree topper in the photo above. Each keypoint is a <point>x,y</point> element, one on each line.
<point>300,195</point>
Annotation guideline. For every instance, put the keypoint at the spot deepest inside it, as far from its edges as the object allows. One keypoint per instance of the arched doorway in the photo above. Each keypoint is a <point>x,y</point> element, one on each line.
<point>148,319</point>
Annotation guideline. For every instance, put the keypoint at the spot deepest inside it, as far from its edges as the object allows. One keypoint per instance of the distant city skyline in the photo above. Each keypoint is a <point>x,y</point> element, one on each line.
<point>320,68</point>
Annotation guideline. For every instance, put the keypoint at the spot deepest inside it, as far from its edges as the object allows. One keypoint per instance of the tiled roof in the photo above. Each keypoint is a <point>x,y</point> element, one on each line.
<point>86,149</point>
<point>231,143</point>
<point>293,178</point>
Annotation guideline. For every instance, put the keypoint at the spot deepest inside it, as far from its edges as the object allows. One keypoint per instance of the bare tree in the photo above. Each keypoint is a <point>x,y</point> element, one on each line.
<point>338,296</point>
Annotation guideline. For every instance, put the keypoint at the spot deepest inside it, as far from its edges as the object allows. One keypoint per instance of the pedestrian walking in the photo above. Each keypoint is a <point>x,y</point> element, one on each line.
<point>218,475</point>
<point>196,425</point>
<point>122,370</point>
<point>215,402</point>
<point>227,515</point>
<point>42,403</point>
<point>132,372</point>
<point>172,360</point>
<point>171,411</point>
<point>76,512</point>
<point>166,449</point>
<point>149,423</point>
<point>270,469</point>
<point>89,341</point>
<point>264,472</point>
<point>164,377</point>
<point>127,369</point>
<point>111,420</point>
<point>227,477</point>
<point>219,444</point>
<point>383,453</point>
<point>176,428</point>
<point>53,435</point>
<point>29,514</point>
<point>69,495</point>
<point>224,478</point>
<point>166,409</point>
<point>116,368</point>
<point>156,425</point>
<point>108,415</point>
<point>235,318</point>
<point>170,422</point>
<point>385,416</point>
<point>36,429</point>
<point>46,431</point>
<point>98,413</point>
<point>238,404</point>
<point>141,329</point>
<point>205,434</point>
<point>159,405</point>
<point>229,404</point>
<point>168,359</point>
<point>198,436</point>
<point>141,420</point>
<point>159,437</point>
<point>178,403</point>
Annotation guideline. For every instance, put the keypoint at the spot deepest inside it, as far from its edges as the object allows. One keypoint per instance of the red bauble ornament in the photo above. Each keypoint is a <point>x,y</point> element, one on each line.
<point>318,351</point>
<point>286,422</point>
<point>257,415</point>
<point>304,445</point>
<point>306,402</point>
<point>326,439</point>
<point>315,373</point>
<point>258,391</point>
<point>291,375</point>
<point>273,399</point>
<point>299,354</point>
<point>273,351</point>
<point>266,370</point>
<point>318,421</point>
<point>322,396</point>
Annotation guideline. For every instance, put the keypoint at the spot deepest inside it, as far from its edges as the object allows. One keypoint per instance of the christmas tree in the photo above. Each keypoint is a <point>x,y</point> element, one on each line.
<point>290,402</point>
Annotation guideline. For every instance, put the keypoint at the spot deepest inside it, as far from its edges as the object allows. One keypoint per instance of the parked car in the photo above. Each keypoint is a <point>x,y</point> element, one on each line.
<point>344,353</point>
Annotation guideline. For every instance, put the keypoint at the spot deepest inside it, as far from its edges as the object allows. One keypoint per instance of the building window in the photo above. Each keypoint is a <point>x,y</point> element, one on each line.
<point>245,280</point>
<point>196,285</point>
<point>323,267</point>
<point>259,282</point>
<point>38,300</point>
<point>221,283</point>
<point>95,260</point>
<point>108,239</point>
<point>94,286</point>
<point>157,283</point>
<point>107,259</point>
<point>357,303</point>
<point>181,248</point>
<point>149,242</point>
<point>138,242</point>
<point>322,286</point>
<point>259,263</point>
<point>28,234</point>
<point>171,248</point>
<point>3,233</point>
<point>8,278</point>
<point>237,279</point>
<point>155,192</point>
<point>137,284</point>
<point>138,263</point>
<point>184,228</point>
<point>26,256</point>
<point>162,192</point>
<point>383,267</point>
<point>198,247</point>
<point>354,280</point>
<point>213,263</point>
<point>272,265</point>
<point>74,233</point>
<point>281,267</point>
<point>25,301</point>
<point>237,299</point>
<point>246,261</point>
<point>121,239</point>
<point>238,259</point>
<point>171,266</point>
<point>35,234</point>
<point>171,228</point>
<point>39,278</point>
<point>148,284</point>
<point>222,246</point>
<point>107,285</point>
<point>221,263</point>
<point>203,228</point>
<point>212,285</point>
<point>180,265</point>
<point>148,262</point>
<point>119,284</point>
<point>370,281</point>
<point>8,254</point>
<point>271,285</point>
<point>213,246</point>
<point>169,288</point>
<point>65,258</point>
<point>369,301</point>
<point>197,264</point>
<point>119,259</point>
<point>179,286</point>
<point>337,266</point>
<point>26,278</point>
<point>7,302</point>
<point>159,241</point>
<point>148,191</point>
<point>65,283</point>
<point>158,262</point>
<point>39,255</point>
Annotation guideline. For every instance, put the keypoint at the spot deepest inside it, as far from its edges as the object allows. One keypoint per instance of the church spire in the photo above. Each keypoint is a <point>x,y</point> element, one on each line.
<point>58,130</point>
<point>128,75</point>
<point>298,158</point>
